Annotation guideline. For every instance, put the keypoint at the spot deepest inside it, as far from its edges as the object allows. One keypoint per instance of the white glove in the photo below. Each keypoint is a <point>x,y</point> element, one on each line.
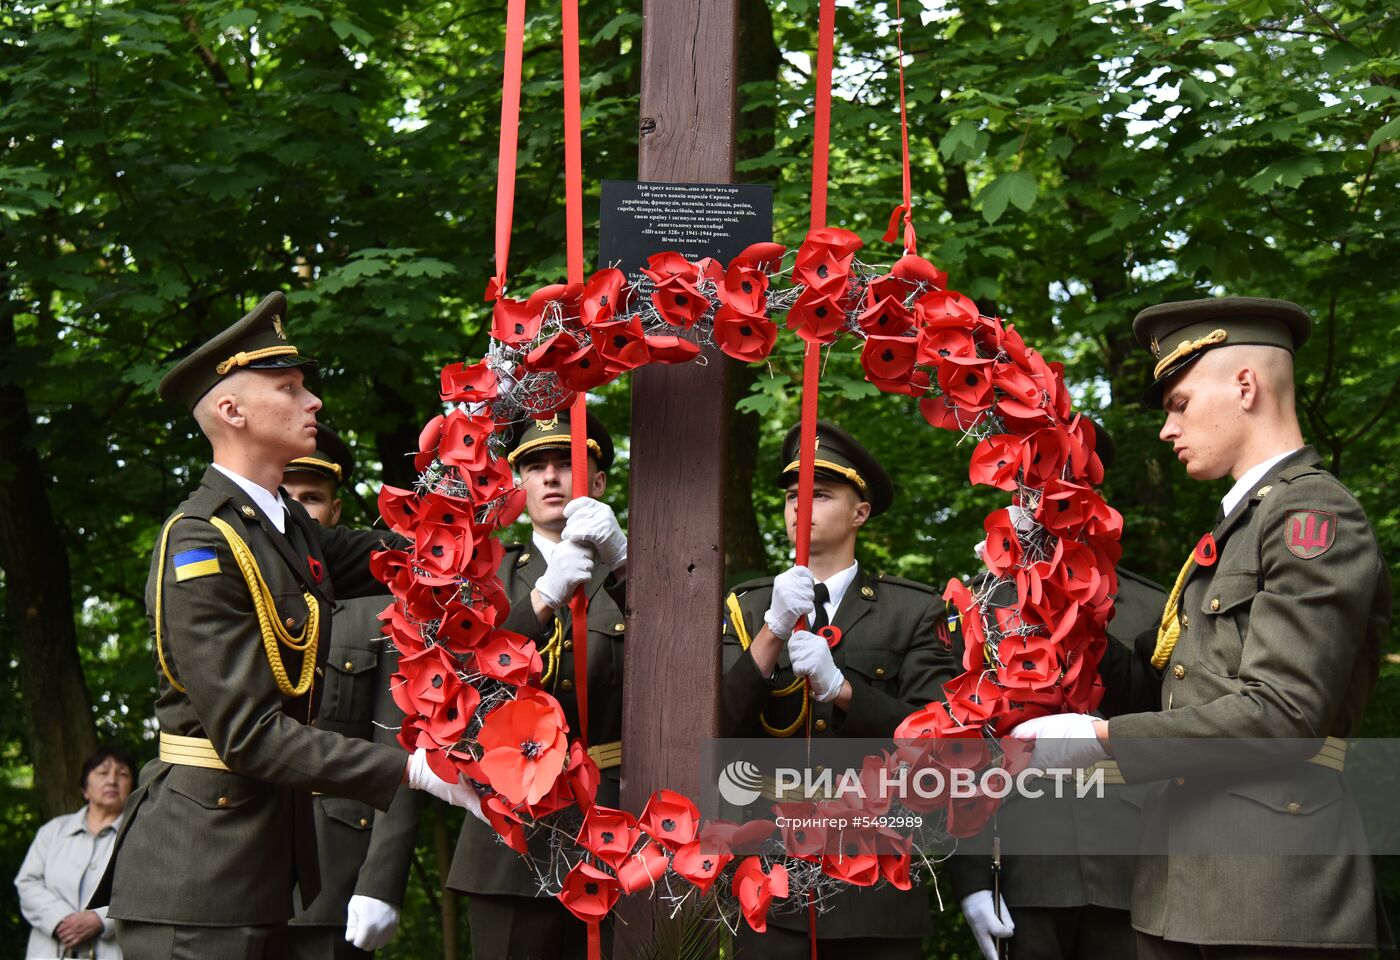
<point>370,923</point>
<point>1063,741</point>
<point>591,521</point>
<point>792,598</point>
<point>570,567</point>
<point>980,910</point>
<point>811,658</point>
<point>460,794</point>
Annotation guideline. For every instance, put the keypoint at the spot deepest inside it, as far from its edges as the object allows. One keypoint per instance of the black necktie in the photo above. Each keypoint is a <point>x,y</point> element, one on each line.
<point>819,618</point>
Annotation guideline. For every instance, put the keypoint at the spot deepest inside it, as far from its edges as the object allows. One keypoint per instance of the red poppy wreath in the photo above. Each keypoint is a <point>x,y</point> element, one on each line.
<point>465,684</point>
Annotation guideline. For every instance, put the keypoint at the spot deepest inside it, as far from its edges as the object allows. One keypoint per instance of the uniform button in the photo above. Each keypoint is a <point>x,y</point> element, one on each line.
<point>1215,603</point>
<point>524,559</point>
<point>819,726</point>
<point>1179,781</point>
<point>568,644</point>
<point>249,512</point>
<point>1295,807</point>
<point>223,801</point>
<point>349,665</point>
<point>619,627</point>
<point>566,683</point>
<point>1179,672</point>
<point>1185,620</point>
<point>289,621</point>
<point>879,671</point>
<point>364,821</point>
<point>868,593</point>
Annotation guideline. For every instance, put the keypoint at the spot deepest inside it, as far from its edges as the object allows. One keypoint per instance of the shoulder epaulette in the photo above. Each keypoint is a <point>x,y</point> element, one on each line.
<point>911,584</point>
<point>754,584</point>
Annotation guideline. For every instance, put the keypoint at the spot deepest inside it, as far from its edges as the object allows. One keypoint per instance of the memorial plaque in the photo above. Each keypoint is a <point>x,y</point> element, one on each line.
<point>696,220</point>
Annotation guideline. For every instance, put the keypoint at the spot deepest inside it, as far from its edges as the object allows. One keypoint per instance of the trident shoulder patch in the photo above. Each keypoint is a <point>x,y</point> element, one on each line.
<point>1309,533</point>
<point>199,562</point>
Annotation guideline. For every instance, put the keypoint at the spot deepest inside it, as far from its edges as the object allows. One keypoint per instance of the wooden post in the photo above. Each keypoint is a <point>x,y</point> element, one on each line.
<point>678,453</point>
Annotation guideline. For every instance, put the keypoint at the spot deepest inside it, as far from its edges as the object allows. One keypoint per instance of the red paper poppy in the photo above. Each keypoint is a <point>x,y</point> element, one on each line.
<point>939,341</point>
<point>463,441</point>
<point>426,601</point>
<point>488,595</point>
<point>663,266</point>
<point>940,305</point>
<point>1065,507</point>
<point>968,815</point>
<point>1003,548</point>
<point>405,635</point>
<point>1045,454</point>
<point>641,870</point>
<point>1028,662</point>
<point>390,567</point>
<point>427,443</point>
<point>621,344</point>
<point>440,553</point>
<point>514,322</point>
<point>468,384</point>
<point>938,413</point>
<point>508,657</point>
<point>737,836</point>
<point>824,272</point>
<point>996,462</point>
<point>582,776</point>
<point>972,698</point>
<point>584,369</point>
<point>679,302</point>
<point>842,241</point>
<point>894,868</point>
<point>551,353</point>
<point>886,317</point>
<point>966,383</point>
<point>589,893</point>
<point>672,349</point>
<point>506,508</point>
<point>609,834</point>
<point>816,318</point>
<point>804,835</point>
<point>930,720</point>
<point>448,724</point>
<point>463,628</point>
<point>412,736</point>
<point>1084,463</point>
<point>671,818</point>
<point>429,679</point>
<point>701,862</point>
<point>524,746</point>
<point>1075,567</point>
<point>745,290</point>
<point>505,822</point>
<point>761,256</point>
<point>604,296</point>
<point>745,338</point>
<point>859,870</point>
<point>756,890</point>
<point>560,297</point>
<point>486,557</point>
<point>888,361</point>
<point>915,270</point>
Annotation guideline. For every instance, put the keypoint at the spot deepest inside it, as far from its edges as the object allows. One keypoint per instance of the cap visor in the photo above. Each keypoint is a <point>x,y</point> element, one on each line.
<point>284,362</point>
<point>1152,396</point>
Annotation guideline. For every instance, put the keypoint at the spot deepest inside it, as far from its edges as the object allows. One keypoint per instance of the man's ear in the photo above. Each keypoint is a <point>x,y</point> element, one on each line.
<point>862,514</point>
<point>335,512</point>
<point>597,485</point>
<point>229,411</point>
<point>1247,381</point>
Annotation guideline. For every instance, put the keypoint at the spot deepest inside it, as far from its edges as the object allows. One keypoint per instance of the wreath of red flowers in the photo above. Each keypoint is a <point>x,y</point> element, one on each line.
<point>464,683</point>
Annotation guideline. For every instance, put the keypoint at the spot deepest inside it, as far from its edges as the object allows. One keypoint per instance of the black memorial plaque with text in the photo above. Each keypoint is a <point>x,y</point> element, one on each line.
<point>696,220</point>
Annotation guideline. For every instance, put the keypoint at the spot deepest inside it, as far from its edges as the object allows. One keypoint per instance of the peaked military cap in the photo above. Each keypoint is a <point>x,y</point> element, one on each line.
<point>1178,333</point>
<point>555,431</point>
<point>257,342</point>
<point>840,457</point>
<point>332,457</point>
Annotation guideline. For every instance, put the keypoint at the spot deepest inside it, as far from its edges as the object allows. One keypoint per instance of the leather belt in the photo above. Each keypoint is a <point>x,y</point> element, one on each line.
<point>190,752</point>
<point>607,755</point>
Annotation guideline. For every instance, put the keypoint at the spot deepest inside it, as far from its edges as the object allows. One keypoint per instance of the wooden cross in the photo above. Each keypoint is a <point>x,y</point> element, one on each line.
<point>678,453</point>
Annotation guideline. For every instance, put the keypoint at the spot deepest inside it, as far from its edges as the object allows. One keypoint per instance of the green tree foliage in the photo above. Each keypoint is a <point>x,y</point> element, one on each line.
<point>164,164</point>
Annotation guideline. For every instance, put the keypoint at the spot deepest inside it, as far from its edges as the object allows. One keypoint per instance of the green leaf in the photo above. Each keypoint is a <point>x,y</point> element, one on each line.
<point>237,20</point>
<point>959,142</point>
<point>1287,173</point>
<point>345,30</point>
<point>1388,132</point>
<point>1018,188</point>
<point>629,20</point>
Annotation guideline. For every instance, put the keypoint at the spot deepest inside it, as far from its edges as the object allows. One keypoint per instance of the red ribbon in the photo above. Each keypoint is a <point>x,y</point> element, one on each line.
<point>904,211</point>
<point>578,411</point>
<point>510,135</point>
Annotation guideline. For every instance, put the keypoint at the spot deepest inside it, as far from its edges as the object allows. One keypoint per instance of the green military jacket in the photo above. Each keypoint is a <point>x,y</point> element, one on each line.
<point>362,851</point>
<point>481,863</point>
<point>1090,879</point>
<point>211,847</point>
<point>1280,637</point>
<point>895,654</point>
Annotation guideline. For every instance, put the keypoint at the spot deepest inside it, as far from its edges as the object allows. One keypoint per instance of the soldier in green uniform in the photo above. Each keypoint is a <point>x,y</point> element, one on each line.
<point>573,543</point>
<point>891,658</point>
<point>1273,630</point>
<point>364,855</point>
<point>1064,907</point>
<point>242,582</point>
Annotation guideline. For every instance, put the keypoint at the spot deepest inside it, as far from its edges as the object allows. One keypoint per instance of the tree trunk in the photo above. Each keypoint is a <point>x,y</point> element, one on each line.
<point>39,604</point>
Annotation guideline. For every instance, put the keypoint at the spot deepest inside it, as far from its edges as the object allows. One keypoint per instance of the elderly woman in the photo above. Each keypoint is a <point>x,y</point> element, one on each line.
<point>67,859</point>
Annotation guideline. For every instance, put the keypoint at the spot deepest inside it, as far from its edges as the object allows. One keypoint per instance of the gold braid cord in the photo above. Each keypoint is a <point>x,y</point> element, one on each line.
<point>1170,629</point>
<point>273,633</point>
<point>160,584</point>
<point>550,651</point>
<point>736,620</point>
<point>1187,347</point>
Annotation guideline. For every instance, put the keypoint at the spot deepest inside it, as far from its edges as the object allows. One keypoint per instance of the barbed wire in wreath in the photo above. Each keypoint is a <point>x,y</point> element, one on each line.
<point>465,684</point>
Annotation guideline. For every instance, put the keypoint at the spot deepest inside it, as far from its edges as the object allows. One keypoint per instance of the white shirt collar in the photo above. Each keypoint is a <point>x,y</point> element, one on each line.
<point>265,500</point>
<point>1245,484</point>
<point>837,584</point>
<point>543,546</point>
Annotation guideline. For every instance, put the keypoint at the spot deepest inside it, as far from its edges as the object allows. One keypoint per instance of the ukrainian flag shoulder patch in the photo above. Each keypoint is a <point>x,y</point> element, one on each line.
<point>199,562</point>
